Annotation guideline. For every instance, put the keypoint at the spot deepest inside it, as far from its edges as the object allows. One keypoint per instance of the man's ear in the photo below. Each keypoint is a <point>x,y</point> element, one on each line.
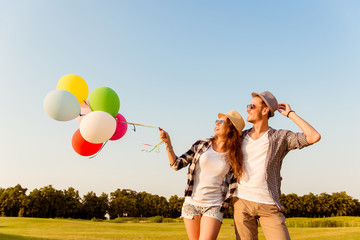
<point>265,111</point>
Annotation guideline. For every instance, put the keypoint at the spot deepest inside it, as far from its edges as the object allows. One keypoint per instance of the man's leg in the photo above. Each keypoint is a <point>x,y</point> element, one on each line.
<point>246,227</point>
<point>272,222</point>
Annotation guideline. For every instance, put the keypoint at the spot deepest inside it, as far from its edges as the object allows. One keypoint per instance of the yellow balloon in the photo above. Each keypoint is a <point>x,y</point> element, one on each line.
<point>76,85</point>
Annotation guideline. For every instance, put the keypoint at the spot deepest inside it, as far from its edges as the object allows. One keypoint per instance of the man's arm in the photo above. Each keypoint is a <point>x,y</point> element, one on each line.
<point>312,136</point>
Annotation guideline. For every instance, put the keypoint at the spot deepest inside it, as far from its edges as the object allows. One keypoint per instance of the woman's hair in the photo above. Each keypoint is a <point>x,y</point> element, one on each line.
<point>232,146</point>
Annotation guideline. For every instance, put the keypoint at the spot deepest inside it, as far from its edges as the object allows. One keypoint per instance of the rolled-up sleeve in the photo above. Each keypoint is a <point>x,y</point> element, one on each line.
<point>296,140</point>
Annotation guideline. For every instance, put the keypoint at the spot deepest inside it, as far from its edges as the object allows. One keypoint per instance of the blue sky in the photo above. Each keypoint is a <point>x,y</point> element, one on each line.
<point>176,64</point>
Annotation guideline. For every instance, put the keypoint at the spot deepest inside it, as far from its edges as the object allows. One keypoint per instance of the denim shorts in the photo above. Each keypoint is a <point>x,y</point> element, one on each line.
<point>189,211</point>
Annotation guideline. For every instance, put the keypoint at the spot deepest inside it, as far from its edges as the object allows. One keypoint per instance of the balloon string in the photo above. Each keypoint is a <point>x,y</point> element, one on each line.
<point>137,124</point>
<point>98,151</point>
<point>156,146</point>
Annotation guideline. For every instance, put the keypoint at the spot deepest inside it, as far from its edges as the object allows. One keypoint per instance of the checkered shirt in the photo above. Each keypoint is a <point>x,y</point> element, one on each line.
<point>192,157</point>
<point>280,143</point>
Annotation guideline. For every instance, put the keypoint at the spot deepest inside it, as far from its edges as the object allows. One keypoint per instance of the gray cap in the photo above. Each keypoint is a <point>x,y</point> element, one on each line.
<point>269,100</point>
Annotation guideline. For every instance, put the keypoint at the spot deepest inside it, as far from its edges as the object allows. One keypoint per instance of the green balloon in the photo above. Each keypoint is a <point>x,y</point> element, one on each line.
<point>104,99</point>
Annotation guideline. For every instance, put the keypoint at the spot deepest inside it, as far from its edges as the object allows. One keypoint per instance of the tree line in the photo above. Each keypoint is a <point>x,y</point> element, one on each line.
<point>48,202</point>
<point>322,205</point>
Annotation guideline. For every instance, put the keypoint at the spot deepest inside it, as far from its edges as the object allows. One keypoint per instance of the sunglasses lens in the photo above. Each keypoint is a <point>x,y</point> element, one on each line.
<point>219,121</point>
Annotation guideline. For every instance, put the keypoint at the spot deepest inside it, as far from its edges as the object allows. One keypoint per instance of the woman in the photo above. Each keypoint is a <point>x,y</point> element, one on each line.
<point>215,167</point>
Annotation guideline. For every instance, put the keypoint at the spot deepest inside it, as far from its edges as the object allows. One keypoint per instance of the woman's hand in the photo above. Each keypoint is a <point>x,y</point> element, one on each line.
<point>164,136</point>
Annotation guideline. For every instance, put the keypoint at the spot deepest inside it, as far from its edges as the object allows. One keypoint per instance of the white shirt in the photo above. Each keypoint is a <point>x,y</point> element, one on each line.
<point>253,186</point>
<point>209,176</point>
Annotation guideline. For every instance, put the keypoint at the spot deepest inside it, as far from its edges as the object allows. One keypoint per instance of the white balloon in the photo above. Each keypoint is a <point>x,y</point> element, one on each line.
<point>97,127</point>
<point>61,105</point>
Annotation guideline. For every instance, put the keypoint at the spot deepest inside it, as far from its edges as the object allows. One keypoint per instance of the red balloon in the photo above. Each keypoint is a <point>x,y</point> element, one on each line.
<point>83,147</point>
<point>121,127</point>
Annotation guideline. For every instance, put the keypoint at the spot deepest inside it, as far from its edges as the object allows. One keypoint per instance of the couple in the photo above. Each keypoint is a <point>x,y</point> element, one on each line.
<point>240,165</point>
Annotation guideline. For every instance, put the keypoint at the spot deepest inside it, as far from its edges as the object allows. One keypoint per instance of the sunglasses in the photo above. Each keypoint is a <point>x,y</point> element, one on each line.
<point>219,121</point>
<point>251,106</point>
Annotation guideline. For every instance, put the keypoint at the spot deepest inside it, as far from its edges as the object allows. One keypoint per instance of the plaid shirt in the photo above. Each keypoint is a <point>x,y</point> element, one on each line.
<point>280,143</point>
<point>192,157</point>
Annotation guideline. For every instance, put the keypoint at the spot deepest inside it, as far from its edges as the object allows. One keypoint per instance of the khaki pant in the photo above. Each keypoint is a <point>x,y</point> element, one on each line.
<point>272,221</point>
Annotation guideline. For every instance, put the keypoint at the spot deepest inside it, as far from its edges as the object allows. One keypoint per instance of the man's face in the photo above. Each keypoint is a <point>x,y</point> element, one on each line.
<point>255,110</point>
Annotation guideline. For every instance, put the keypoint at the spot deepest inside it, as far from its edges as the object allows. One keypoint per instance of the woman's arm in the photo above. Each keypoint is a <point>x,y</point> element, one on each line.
<point>170,151</point>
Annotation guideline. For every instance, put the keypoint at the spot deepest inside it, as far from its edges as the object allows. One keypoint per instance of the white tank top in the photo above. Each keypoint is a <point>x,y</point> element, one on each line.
<point>253,185</point>
<point>209,176</point>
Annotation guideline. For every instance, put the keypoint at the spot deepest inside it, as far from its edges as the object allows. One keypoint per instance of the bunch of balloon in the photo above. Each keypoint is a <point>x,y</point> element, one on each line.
<point>98,117</point>
<point>102,121</point>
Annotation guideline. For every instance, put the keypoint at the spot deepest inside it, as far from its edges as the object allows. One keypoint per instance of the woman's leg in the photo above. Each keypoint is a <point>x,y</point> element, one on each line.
<point>193,227</point>
<point>209,228</point>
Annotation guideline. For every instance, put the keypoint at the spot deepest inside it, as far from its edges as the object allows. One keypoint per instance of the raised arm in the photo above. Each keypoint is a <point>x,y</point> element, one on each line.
<point>312,136</point>
<point>170,151</point>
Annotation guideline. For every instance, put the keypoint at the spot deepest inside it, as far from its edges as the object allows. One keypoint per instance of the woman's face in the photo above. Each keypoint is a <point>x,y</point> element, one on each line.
<point>220,127</point>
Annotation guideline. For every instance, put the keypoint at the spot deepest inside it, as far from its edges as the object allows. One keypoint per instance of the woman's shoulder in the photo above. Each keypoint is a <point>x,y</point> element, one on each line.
<point>203,141</point>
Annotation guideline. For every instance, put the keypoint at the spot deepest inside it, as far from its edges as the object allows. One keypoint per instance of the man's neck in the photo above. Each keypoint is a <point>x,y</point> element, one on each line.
<point>259,128</point>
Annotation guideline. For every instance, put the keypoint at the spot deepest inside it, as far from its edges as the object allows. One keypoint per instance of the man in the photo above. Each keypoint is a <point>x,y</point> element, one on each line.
<point>264,148</point>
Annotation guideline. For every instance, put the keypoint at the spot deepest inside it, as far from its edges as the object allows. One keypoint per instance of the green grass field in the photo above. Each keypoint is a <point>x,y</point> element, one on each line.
<point>41,229</point>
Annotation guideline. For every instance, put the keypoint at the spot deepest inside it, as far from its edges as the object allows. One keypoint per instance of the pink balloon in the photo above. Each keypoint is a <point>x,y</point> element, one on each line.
<point>85,109</point>
<point>121,127</point>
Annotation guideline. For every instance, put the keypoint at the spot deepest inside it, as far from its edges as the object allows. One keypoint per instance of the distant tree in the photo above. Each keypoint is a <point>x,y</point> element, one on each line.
<point>123,203</point>
<point>292,204</point>
<point>2,197</point>
<point>325,205</point>
<point>36,208</point>
<point>343,204</point>
<point>143,205</point>
<point>175,205</point>
<point>47,202</point>
<point>13,201</point>
<point>356,209</point>
<point>129,203</point>
<point>72,203</point>
<point>161,206</point>
<point>95,207</point>
<point>310,207</point>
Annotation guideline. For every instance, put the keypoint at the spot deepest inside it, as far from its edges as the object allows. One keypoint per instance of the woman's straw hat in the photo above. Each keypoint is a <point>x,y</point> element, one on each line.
<point>235,119</point>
